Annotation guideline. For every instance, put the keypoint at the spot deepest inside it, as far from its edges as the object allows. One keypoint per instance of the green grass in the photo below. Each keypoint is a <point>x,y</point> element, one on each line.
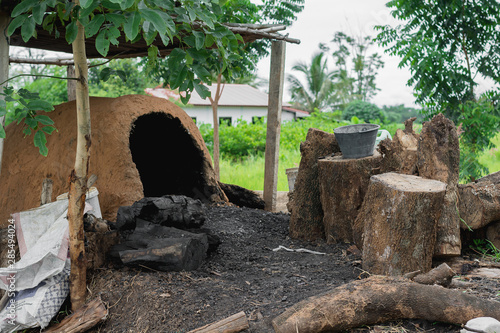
<point>249,171</point>
<point>491,158</point>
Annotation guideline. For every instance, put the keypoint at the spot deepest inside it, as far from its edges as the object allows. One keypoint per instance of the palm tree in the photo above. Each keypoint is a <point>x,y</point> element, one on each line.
<point>318,91</point>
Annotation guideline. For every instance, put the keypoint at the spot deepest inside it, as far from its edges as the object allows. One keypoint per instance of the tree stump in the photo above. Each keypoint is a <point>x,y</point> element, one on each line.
<point>439,159</point>
<point>306,220</point>
<point>400,153</point>
<point>343,184</point>
<point>400,215</point>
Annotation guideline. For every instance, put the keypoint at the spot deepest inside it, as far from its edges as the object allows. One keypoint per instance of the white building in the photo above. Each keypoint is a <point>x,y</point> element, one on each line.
<point>238,101</point>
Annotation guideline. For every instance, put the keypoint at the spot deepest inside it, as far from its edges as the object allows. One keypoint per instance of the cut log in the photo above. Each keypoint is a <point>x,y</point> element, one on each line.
<point>399,217</point>
<point>343,184</point>
<point>400,153</point>
<point>83,319</point>
<point>379,299</point>
<point>161,248</point>
<point>479,204</point>
<point>441,275</point>
<point>236,323</point>
<point>306,220</point>
<point>439,159</point>
<point>176,211</point>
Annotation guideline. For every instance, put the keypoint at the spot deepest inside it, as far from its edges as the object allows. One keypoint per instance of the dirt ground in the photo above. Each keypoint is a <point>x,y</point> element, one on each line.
<point>247,274</point>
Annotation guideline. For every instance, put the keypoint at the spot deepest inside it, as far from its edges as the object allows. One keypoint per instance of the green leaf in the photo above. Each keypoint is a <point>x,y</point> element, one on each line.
<point>155,18</point>
<point>71,32</point>
<point>209,40</point>
<point>39,104</point>
<point>28,29</point>
<point>199,39</point>
<point>202,90</point>
<point>88,10</point>
<point>2,132</point>
<point>32,123</point>
<point>198,55</point>
<point>16,23</point>
<point>44,120</point>
<point>86,3</point>
<point>131,26</point>
<point>105,74</point>
<point>39,12</point>
<point>23,7</point>
<point>26,131</point>
<point>116,19</point>
<point>125,4</point>
<point>102,44</point>
<point>48,129</point>
<point>122,75</point>
<point>94,25</point>
<point>41,142</point>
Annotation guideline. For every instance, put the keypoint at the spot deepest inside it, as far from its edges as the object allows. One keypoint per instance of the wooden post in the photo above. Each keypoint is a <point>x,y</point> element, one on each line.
<point>71,85</point>
<point>276,80</point>
<point>4,64</point>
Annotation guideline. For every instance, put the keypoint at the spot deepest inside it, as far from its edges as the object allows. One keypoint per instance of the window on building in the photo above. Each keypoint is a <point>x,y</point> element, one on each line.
<point>256,120</point>
<point>225,120</point>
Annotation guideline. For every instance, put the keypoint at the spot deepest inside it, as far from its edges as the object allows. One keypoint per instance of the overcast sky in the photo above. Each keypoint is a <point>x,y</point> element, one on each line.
<point>317,23</point>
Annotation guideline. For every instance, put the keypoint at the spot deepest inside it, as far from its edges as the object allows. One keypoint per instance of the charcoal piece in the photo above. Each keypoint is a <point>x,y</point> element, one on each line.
<point>242,197</point>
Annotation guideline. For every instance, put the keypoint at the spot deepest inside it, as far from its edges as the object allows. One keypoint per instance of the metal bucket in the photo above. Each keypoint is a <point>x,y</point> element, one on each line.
<point>356,141</point>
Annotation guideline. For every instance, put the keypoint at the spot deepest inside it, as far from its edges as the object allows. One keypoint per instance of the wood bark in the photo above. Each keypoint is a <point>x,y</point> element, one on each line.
<point>439,159</point>
<point>399,217</point>
<point>343,184</point>
<point>400,153</point>
<point>236,323</point>
<point>71,85</point>
<point>78,177</point>
<point>273,129</point>
<point>83,319</point>
<point>306,220</point>
<point>479,204</point>
<point>214,101</point>
<point>379,299</point>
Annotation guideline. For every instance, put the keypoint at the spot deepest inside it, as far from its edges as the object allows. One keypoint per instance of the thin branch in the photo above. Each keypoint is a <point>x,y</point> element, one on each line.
<point>39,75</point>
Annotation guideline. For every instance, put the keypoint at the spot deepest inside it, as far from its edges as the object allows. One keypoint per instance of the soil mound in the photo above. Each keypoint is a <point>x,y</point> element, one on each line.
<point>141,146</point>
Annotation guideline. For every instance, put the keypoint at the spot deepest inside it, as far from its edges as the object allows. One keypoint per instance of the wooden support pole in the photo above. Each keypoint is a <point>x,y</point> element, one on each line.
<point>276,80</point>
<point>4,64</point>
<point>46,196</point>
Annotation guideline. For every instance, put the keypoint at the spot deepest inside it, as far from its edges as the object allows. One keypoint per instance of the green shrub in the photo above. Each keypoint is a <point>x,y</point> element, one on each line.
<point>363,110</point>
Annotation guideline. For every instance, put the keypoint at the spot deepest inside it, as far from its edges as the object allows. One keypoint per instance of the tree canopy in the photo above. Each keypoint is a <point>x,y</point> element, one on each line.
<point>449,46</point>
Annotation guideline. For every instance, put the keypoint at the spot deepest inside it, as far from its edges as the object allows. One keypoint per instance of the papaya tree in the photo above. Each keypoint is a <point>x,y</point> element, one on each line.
<point>193,23</point>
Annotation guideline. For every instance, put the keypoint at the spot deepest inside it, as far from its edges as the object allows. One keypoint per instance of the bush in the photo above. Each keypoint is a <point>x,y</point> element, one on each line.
<point>363,110</point>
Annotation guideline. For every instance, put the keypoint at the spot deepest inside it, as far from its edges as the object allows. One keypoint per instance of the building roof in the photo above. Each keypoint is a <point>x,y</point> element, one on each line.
<point>232,95</point>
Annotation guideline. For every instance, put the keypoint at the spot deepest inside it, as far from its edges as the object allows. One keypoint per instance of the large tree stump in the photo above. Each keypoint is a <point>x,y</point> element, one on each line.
<point>343,184</point>
<point>379,299</point>
<point>306,220</point>
<point>439,159</point>
<point>400,214</point>
<point>400,153</point>
<point>479,203</point>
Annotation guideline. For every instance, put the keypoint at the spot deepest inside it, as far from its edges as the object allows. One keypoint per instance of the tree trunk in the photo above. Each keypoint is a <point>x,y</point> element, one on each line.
<point>379,299</point>
<point>343,184</point>
<point>400,214</point>
<point>306,221</point>
<point>214,101</point>
<point>439,159</point>
<point>78,177</point>
<point>4,66</point>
